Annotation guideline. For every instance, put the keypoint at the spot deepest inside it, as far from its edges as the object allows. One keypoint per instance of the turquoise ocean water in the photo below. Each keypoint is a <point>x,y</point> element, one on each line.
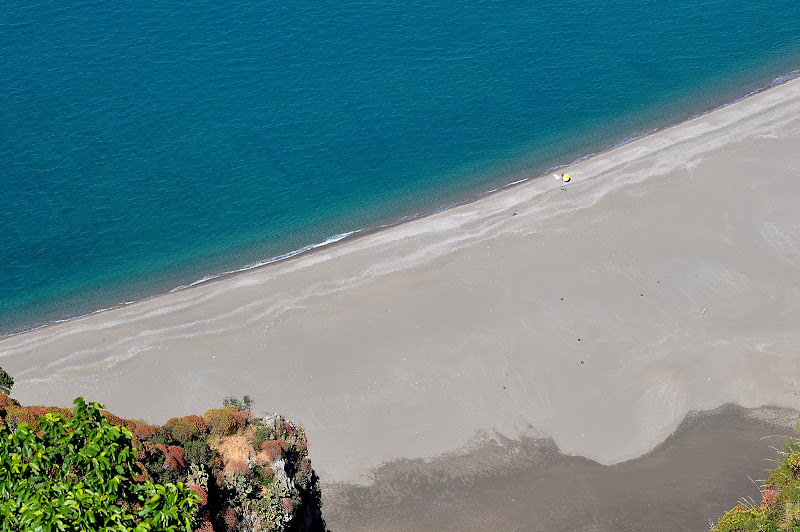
<point>146,145</point>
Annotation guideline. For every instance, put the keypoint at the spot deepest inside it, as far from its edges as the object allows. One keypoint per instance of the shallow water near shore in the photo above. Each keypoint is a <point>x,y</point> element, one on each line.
<point>147,147</point>
<point>702,470</point>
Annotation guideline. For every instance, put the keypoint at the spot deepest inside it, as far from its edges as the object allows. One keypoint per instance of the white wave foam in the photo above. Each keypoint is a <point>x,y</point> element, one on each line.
<point>289,255</point>
<point>517,182</point>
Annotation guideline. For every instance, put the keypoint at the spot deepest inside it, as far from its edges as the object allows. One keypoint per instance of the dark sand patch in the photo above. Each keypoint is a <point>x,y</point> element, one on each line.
<point>697,474</point>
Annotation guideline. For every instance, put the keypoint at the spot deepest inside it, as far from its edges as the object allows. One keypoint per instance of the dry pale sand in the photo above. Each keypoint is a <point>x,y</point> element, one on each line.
<point>677,257</point>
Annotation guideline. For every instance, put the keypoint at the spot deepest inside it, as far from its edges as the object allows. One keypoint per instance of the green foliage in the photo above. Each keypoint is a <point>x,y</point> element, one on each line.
<point>159,473</point>
<point>186,428</point>
<point>257,493</point>
<point>744,519</point>
<point>198,475</point>
<point>241,487</point>
<point>163,439</point>
<point>7,382</point>
<point>16,414</point>
<point>269,507</point>
<point>246,404</point>
<point>230,400</point>
<point>220,421</point>
<point>260,434</point>
<point>78,474</point>
<point>304,475</point>
<point>780,505</point>
<point>264,475</point>
<point>199,452</point>
<point>264,502</point>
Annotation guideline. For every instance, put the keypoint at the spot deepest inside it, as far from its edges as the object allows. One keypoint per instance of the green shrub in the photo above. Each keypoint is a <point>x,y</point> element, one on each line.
<point>241,486</point>
<point>246,404</point>
<point>78,474</point>
<point>780,504</point>
<point>153,458</point>
<point>304,476</point>
<point>792,462</point>
<point>260,433</point>
<point>742,518</point>
<point>199,452</point>
<point>7,382</point>
<point>264,475</point>
<point>186,428</point>
<point>220,421</point>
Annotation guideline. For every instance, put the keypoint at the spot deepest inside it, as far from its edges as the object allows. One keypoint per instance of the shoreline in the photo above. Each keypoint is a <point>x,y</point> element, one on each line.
<point>662,280</point>
<point>366,231</point>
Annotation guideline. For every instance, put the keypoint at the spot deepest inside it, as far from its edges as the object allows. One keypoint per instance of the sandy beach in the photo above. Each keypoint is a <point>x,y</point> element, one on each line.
<point>702,470</point>
<point>664,279</point>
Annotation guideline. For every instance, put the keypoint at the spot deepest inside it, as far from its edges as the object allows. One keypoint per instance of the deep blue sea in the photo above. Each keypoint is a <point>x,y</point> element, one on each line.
<point>146,145</point>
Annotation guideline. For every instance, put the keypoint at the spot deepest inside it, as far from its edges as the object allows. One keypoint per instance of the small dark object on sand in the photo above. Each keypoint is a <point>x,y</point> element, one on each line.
<point>641,295</point>
<point>513,214</point>
<point>562,299</point>
<point>581,361</point>
<point>579,339</point>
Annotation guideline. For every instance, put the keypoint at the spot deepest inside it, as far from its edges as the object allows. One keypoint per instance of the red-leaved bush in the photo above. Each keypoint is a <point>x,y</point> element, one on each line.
<point>301,444</point>
<point>217,469</point>
<point>6,401</point>
<point>143,475</point>
<point>200,491</point>
<point>237,466</point>
<point>769,498</point>
<point>273,449</point>
<point>145,432</point>
<point>205,526</point>
<point>175,458</point>
<point>229,516</point>
<point>31,414</point>
<point>241,417</point>
<point>119,421</point>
